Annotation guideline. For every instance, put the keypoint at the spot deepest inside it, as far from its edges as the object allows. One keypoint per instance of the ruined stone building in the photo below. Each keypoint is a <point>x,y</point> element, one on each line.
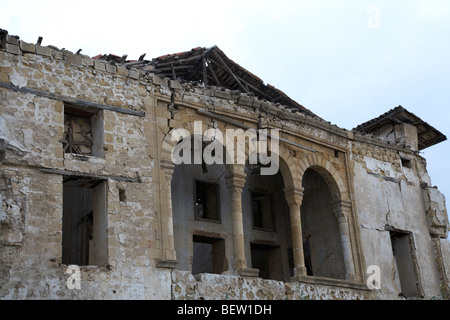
<point>87,179</point>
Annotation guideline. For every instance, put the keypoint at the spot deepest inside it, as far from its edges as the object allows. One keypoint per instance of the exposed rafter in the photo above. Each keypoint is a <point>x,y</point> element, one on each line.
<point>209,66</point>
<point>427,135</point>
<point>212,67</point>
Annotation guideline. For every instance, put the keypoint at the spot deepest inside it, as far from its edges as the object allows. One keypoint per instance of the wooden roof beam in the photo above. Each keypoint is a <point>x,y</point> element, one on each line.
<point>230,72</point>
<point>204,71</point>
<point>174,75</point>
<point>216,79</point>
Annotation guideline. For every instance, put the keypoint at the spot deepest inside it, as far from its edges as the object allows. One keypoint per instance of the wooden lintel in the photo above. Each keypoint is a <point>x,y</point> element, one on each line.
<point>86,175</point>
<point>73,101</point>
<point>205,74</point>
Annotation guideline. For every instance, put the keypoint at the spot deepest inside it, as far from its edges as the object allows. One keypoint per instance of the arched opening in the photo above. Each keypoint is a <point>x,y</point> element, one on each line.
<point>200,207</point>
<point>267,224</point>
<point>230,217</point>
<point>322,246</point>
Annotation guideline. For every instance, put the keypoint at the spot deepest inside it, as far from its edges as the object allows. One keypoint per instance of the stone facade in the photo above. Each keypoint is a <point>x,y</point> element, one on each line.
<point>140,243</point>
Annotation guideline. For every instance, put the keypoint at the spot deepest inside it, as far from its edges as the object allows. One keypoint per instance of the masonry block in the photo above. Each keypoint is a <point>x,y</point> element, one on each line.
<point>156,80</point>
<point>122,70</point>
<point>110,68</point>
<point>173,84</point>
<point>245,101</point>
<point>12,40</point>
<point>134,74</point>
<point>99,65</point>
<point>27,47</point>
<point>88,62</point>
<point>45,51</point>
<point>75,59</point>
<point>11,48</point>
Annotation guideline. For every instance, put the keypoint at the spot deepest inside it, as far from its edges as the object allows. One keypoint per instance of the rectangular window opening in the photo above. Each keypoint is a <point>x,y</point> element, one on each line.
<point>207,201</point>
<point>83,131</point>
<point>262,211</point>
<point>84,231</point>
<point>405,260</point>
<point>122,195</point>
<point>266,258</point>
<point>406,163</point>
<point>208,255</point>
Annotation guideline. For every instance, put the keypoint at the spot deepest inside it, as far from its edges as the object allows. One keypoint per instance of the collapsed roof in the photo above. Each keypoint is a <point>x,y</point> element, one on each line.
<point>211,66</point>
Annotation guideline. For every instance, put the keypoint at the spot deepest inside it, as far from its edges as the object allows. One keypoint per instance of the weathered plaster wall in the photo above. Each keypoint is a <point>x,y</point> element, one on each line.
<point>390,195</point>
<point>31,248</point>
<point>31,215</point>
<point>445,247</point>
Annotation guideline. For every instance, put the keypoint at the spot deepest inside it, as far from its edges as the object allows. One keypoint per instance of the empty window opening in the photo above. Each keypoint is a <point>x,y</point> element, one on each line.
<point>197,201</point>
<point>122,195</point>
<point>290,255</point>
<point>322,246</point>
<point>307,255</point>
<point>262,211</point>
<point>406,163</point>
<point>208,255</point>
<point>336,153</point>
<point>266,258</point>
<point>83,131</point>
<point>207,201</point>
<point>84,222</point>
<point>266,218</point>
<point>405,263</point>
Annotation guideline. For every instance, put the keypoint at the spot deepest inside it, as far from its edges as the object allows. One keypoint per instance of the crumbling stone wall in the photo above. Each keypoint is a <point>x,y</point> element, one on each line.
<point>227,287</point>
<point>39,80</point>
<point>401,198</point>
<point>139,110</point>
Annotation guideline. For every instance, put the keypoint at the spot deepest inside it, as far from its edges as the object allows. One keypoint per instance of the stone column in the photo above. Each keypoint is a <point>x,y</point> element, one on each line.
<point>342,209</point>
<point>294,197</point>
<point>235,181</point>
<point>168,254</point>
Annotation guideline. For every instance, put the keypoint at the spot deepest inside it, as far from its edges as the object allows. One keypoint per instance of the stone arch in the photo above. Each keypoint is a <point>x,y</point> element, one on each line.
<point>287,166</point>
<point>165,174</point>
<point>274,261</point>
<point>322,172</point>
<point>171,139</point>
<point>287,163</point>
<point>327,170</point>
<point>187,240</point>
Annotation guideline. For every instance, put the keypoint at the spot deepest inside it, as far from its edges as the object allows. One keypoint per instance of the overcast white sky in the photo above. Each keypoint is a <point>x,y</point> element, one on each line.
<point>347,61</point>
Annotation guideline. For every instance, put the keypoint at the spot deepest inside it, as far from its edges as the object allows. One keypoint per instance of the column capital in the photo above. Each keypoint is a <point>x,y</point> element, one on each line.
<point>294,195</point>
<point>341,209</point>
<point>235,180</point>
<point>342,202</point>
